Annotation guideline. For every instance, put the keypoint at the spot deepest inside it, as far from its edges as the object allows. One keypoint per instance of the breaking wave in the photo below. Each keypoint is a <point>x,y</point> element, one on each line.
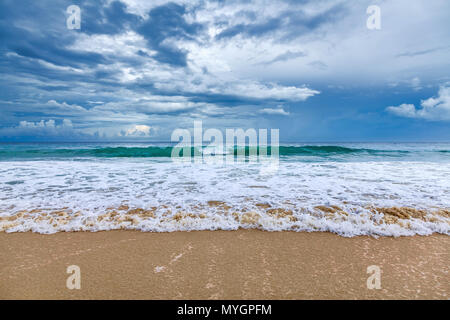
<point>166,151</point>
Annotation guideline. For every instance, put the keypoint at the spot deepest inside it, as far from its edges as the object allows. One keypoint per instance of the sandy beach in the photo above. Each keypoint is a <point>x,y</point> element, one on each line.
<point>243,264</point>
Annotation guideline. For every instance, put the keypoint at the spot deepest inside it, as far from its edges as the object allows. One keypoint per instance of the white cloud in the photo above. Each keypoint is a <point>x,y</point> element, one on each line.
<point>64,129</point>
<point>415,83</point>
<point>139,131</point>
<point>45,124</point>
<point>242,88</point>
<point>63,107</point>
<point>275,111</point>
<point>336,49</point>
<point>403,110</point>
<point>40,128</point>
<point>223,76</point>
<point>434,108</point>
<point>126,44</point>
<point>146,104</point>
<point>272,91</point>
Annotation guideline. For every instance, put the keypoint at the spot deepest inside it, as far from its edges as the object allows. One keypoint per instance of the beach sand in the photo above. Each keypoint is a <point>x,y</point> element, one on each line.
<point>243,264</point>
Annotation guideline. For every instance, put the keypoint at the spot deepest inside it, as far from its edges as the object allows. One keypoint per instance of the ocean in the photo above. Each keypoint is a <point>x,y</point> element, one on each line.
<point>378,189</point>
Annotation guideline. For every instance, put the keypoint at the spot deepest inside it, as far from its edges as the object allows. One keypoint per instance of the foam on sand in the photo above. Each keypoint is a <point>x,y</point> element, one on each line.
<point>374,221</point>
<point>347,198</point>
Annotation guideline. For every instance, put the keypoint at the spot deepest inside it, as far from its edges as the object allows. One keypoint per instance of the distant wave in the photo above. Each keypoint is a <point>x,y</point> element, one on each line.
<point>104,152</point>
<point>324,150</point>
<point>166,151</point>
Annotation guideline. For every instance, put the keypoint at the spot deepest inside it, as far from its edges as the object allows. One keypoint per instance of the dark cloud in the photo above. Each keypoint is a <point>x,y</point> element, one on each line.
<point>97,18</point>
<point>166,22</point>
<point>288,55</point>
<point>37,30</point>
<point>291,24</point>
<point>422,52</point>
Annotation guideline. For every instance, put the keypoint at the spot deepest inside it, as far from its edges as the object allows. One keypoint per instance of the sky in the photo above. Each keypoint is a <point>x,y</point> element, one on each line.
<point>136,70</point>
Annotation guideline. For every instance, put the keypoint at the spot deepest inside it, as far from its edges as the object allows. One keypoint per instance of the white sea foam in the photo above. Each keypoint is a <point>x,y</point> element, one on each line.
<point>51,196</point>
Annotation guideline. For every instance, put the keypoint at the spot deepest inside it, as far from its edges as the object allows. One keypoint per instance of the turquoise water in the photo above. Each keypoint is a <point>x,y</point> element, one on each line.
<point>298,152</point>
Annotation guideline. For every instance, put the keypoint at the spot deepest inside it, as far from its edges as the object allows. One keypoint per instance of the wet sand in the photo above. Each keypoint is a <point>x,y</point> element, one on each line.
<point>244,264</point>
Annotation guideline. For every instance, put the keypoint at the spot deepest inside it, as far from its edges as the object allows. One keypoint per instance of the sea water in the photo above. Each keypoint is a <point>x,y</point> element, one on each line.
<point>350,189</point>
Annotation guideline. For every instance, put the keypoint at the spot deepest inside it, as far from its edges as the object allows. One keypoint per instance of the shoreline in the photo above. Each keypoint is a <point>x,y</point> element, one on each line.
<point>241,264</point>
<point>218,215</point>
